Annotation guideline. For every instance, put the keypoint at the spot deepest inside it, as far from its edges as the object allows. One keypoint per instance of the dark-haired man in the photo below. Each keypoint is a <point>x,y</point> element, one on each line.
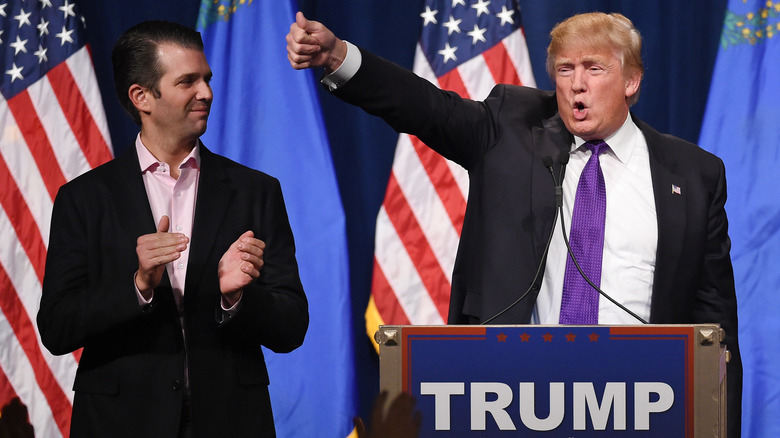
<point>171,266</point>
<point>652,231</point>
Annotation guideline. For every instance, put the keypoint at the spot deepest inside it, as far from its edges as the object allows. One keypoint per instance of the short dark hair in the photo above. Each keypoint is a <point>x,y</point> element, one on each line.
<point>136,61</point>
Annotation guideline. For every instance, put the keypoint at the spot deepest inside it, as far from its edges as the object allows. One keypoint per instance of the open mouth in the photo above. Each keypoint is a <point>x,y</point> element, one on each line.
<point>580,111</point>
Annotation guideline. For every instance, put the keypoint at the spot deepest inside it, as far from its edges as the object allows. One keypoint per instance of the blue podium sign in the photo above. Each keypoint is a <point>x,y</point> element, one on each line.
<point>561,381</point>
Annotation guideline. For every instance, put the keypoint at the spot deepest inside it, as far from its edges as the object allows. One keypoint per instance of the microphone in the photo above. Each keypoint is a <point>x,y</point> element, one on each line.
<point>548,163</point>
<point>559,204</point>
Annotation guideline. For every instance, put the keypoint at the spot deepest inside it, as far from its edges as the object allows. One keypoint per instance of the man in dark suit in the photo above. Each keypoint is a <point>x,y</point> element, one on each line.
<point>663,247</point>
<point>171,266</point>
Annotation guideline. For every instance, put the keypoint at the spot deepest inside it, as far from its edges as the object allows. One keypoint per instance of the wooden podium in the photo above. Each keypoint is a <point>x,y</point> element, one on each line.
<point>559,381</point>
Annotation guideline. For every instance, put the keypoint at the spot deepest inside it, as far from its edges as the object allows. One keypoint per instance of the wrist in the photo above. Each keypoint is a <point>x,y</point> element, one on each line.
<point>230,298</point>
<point>337,56</point>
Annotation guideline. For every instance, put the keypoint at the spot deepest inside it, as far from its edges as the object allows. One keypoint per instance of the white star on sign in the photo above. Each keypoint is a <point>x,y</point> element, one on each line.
<point>506,16</point>
<point>477,34</point>
<point>453,25</point>
<point>448,53</point>
<point>429,16</point>
<point>458,2</point>
<point>481,7</point>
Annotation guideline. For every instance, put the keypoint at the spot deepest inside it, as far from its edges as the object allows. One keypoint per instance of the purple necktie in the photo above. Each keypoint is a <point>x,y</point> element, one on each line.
<point>580,302</point>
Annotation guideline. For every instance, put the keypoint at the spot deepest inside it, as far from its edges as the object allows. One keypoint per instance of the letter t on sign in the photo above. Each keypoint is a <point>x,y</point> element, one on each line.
<point>442,391</point>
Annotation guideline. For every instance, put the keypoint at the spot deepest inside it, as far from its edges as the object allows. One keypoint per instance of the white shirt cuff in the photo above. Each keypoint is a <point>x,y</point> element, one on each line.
<point>346,70</point>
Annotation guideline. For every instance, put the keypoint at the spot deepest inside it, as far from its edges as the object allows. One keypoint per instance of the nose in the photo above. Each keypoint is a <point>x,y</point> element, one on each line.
<point>204,92</point>
<point>578,80</point>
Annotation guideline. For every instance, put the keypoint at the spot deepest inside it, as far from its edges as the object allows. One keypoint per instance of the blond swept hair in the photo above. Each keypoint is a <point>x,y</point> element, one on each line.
<point>599,30</point>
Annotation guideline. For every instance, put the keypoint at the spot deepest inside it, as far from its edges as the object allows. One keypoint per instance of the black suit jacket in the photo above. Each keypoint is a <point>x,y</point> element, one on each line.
<point>130,379</point>
<point>511,207</point>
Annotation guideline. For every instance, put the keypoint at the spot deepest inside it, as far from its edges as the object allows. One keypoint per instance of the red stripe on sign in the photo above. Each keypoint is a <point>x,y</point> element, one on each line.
<point>500,66</point>
<point>453,82</point>
<point>14,311</point>
<point>38,142</point>
<point>385,299</point>
<point>443,181</point>
<point>79,118</point>
<point>22,220</point>
<point>416,244</point>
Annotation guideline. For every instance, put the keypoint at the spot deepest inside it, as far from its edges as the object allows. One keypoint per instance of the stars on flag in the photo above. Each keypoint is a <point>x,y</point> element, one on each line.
<point>15,72</point>
<point>31,43</point>
<point>453,25</point>
<point>446,29</point>
<point>506,15</point>
<point>23,18</point>
<point>43,28</point>
<point>429,16</point>
<point>19,45</point>
<point>482,7</point>
<point>41,54</point>
<point>448,52</point>
<point>65,36</point>
<point>67,10</point>
<point>477,34</point>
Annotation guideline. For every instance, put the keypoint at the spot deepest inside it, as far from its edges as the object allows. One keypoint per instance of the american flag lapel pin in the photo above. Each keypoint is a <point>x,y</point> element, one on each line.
<point>676,190</point>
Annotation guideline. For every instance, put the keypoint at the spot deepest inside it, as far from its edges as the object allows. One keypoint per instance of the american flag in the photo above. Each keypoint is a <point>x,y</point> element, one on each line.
<point>466,46</point>
<point>52,129</point>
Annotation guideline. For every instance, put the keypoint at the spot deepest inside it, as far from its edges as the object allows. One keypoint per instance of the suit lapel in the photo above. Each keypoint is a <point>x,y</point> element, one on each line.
<point>128,186</point>
<point>554,141</point>
<point>214,196</point>
<point>669,191</point>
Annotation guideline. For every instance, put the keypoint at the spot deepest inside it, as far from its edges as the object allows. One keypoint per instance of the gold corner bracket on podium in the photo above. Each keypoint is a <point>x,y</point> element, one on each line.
<point>559,381</point>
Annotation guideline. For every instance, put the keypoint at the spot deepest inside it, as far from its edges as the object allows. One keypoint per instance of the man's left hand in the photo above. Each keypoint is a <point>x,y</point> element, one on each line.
<point>240,264</point>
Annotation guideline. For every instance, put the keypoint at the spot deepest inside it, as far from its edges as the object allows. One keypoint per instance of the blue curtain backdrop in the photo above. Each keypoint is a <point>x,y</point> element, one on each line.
<point>741,126</point>
<point>681,40</point>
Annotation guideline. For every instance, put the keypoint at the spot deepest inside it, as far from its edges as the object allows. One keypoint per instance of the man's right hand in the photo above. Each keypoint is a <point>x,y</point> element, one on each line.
<point>154,252</point>
<point>311,44</point>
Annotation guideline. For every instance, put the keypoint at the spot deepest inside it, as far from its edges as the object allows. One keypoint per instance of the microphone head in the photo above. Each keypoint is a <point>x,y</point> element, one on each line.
<point>547,161</point>
<point>564,159</point>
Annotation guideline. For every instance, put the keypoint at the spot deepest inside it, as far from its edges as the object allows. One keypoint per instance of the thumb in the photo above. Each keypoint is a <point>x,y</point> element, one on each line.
<point>301,21</point>
<point>165,222</point>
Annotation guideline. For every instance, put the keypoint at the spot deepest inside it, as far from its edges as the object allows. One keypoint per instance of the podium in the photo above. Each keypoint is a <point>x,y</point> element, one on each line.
<point>559,381</point>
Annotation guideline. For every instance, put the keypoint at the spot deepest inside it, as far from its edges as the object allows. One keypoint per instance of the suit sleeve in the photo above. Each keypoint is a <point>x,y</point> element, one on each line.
<point>457,128</point>
<point>716,296</point>
<point>77,303</point>
<point>274,309</point>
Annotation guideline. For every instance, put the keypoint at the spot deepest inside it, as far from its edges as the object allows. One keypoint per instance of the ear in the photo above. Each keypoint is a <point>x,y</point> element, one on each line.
<point>140,98</point>
<point>632,84</point>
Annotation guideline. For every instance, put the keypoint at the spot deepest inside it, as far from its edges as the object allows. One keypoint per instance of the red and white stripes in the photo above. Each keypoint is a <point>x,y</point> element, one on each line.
<point>50,133</point>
